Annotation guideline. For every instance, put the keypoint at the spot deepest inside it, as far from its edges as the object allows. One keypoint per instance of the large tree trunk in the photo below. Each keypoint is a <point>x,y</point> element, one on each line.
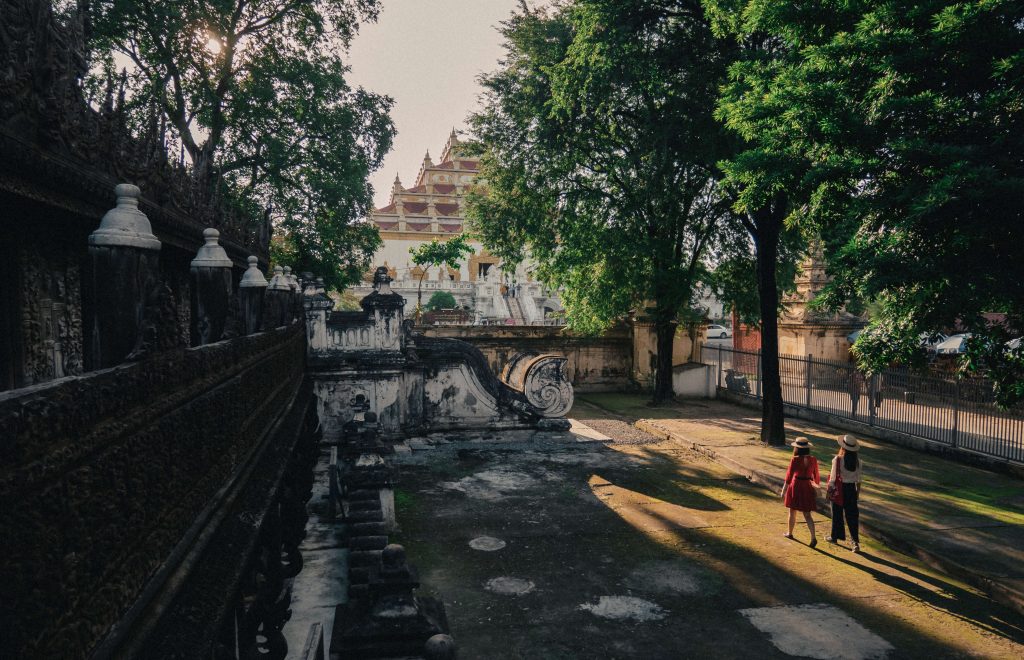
<point>766,246</point>
<point>666,333</point>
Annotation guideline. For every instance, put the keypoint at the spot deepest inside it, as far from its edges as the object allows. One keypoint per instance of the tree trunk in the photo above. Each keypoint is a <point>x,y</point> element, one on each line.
<point>766,246</point>
<point>666,333</point>
<point>419,296</point>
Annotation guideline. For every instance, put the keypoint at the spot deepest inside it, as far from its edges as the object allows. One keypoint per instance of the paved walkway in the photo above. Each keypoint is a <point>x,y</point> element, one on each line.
<point>967,521</point>
<point>611,543</point>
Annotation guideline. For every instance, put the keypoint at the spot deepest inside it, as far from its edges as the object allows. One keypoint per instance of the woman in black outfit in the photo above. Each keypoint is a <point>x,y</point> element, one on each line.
<point>847,465</point>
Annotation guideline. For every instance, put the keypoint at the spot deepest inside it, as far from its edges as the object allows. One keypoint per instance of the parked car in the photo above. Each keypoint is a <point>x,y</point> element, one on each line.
<point>931,342</point>
<point>953,345</point>
<point>719,331</point>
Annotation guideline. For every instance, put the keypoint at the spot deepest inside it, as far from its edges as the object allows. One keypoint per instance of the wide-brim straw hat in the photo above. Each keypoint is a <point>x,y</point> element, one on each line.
<point>801,443</point>
<point>849,443</point>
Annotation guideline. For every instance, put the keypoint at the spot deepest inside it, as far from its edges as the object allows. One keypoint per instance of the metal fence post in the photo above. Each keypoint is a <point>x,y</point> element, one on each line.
<point>956,413</point>
<point>872,397</point>
<point>807,384</point>
<point>719,365</point>
<point>759,375</point>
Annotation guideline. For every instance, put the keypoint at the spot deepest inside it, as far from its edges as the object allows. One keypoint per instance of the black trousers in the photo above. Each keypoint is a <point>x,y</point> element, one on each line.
<point>850,511</point>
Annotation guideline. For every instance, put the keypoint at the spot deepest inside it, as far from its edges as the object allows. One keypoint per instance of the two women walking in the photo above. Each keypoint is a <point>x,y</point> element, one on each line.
<point>799,492</point>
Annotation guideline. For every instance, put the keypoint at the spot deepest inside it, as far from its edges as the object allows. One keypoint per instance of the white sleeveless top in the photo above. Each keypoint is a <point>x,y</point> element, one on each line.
<point>849,476</point>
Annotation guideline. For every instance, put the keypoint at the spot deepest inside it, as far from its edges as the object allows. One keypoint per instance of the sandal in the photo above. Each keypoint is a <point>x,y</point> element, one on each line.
<point>855,548</point>
<point>787,536</point>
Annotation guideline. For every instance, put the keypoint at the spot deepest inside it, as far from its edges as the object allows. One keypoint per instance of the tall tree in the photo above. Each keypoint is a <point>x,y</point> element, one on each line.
<point>256,96</point>
<point>598,146</point>
<point>909,114</point>
<point>762,177</point>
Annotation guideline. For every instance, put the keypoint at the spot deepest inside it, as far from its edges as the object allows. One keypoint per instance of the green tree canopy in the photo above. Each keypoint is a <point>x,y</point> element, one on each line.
<point>255,94</point>
<point>598,149</point>
<point>439,253</point>
<point>904,120</point>
<point>442,253</point>
<point>441,300</point>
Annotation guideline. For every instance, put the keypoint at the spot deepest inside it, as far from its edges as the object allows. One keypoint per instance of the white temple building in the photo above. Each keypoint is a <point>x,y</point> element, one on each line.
<point>433,209</point>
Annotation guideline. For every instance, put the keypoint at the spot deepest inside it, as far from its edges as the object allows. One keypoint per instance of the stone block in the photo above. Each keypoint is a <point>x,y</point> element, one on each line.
<point>394,626</point>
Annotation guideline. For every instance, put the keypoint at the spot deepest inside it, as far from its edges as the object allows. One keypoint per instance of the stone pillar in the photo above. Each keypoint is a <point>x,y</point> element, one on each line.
<point>251,290</point>
<point>295,306</point>
<point>123,269</point>
<point>277,306</point>
<point>385,307</point>
<point>211,290</point>
<point>318,308</point>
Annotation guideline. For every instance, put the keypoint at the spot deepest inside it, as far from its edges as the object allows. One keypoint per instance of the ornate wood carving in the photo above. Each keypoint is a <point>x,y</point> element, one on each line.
<point>55,144</point>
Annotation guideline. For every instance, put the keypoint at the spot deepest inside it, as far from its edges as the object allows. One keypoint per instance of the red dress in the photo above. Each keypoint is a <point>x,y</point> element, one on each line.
<point>801,495</point>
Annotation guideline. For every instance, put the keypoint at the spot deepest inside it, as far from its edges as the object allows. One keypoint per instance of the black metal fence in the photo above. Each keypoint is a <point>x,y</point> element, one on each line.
<point>957,412</point>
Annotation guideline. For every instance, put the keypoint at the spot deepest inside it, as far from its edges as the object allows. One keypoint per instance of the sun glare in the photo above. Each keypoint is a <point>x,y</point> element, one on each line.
<point>213,45</point>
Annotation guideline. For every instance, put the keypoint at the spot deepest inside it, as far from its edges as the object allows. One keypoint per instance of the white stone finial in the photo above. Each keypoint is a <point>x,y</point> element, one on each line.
<point>252,276</point>
<point>211,254</point>
<point>292,280</point>
<point>125,225</point>
<point>278,281</point>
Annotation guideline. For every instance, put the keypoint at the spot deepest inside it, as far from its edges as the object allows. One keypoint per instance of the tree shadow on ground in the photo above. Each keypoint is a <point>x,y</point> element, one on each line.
<point>570,568</point>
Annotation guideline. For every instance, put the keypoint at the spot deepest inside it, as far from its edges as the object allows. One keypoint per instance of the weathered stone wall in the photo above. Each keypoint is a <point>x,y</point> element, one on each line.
<point>595,364</point>
<point>645,352</point>
<point>825,341</point>
<point>102,474</point>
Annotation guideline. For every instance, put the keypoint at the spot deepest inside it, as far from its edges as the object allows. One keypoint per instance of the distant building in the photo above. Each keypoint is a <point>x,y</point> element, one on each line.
<point>433,209</point>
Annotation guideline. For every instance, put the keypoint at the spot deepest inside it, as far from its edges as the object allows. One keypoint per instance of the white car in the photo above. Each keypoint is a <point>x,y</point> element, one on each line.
<point>953,345</point>
<point>718,331</point>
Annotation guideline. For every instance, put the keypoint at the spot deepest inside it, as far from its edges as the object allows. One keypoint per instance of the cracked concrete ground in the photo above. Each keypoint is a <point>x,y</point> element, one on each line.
<point>628,547</point>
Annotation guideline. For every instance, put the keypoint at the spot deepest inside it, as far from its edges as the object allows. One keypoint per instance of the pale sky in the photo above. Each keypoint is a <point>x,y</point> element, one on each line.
<point>427,55</point>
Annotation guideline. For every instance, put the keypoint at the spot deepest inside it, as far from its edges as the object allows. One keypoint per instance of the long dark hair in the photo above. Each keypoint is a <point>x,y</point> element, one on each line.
<point>801,451</point>
<point>850,460</point>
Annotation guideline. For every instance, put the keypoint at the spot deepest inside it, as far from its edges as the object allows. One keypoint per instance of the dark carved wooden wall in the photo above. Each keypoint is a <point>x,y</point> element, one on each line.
<point>102,476</point>
<point>152,509</point>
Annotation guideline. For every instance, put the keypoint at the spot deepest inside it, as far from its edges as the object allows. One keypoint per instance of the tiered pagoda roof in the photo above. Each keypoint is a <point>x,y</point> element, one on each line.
<point>433,206</point>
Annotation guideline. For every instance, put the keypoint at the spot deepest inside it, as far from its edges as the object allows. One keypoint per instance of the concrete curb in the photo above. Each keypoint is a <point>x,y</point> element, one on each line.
<point>1007,594</point>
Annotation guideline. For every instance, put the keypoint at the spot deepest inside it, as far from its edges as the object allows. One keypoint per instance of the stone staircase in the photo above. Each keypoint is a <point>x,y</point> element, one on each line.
<point>515,311</point>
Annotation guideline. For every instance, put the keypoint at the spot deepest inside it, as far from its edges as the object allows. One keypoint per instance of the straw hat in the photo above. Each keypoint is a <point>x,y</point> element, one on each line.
<point>848,442</point>
<point>801,443</point>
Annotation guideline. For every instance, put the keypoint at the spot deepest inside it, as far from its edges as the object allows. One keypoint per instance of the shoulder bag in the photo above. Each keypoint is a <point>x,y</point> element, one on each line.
<point>835,490</point>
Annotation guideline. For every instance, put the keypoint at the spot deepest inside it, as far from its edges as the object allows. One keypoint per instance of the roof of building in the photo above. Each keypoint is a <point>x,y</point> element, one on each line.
<point>436,196</point>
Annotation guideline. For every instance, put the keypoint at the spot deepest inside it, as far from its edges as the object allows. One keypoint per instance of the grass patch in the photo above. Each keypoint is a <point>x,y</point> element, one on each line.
<point>403,500</point>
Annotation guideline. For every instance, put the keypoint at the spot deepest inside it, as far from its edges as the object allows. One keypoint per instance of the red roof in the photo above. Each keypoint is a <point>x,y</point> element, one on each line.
<point>470,164</point>
<point>390,208</point>
<point>416,189</point>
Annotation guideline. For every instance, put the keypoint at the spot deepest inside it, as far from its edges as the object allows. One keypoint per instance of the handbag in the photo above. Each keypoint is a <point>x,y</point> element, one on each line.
<point>835,491</point>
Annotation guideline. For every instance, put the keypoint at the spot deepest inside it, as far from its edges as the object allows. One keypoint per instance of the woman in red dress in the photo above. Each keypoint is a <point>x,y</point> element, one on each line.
<point>799,492</point>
